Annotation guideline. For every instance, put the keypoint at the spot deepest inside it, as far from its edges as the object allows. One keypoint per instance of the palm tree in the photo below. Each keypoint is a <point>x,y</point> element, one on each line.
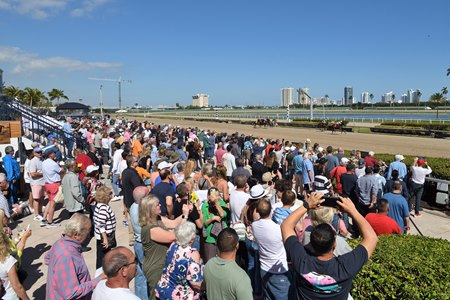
<point>371,97</point>
<point>33,97</point>
<point>436,97</point>
<point>444,91</point>
<point>57,94</point>
<point>13,92</point>
<point>448,71</point>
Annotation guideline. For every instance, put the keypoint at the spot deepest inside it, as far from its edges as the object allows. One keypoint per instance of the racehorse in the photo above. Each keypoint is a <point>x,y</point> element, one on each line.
<point>339,125</point>
<point>323,125</point>
<point>261,122</point>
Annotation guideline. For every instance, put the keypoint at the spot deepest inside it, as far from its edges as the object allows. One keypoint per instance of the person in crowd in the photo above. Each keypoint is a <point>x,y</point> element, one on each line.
<point>332,161</point>
<point>71,188</point>
<point>92,154</point>
<point>140,282</point>
<point>69,138</point>
<point>297,164</point>
<point>229,161</point>
<point>367,190</point>
<point>223,277</point>
<point>398,207</point>
<point>389,186</point>
<point>258,168</point>
<point>240,170</point>
<point>398,165</point>
<point>156,238</point>
<point>381,222</point>
<point>13,175</point>
<point>83,161</point>
<point>52,176</point>
<point>115,172</point>
<point>325,215</point>
<point>381,181</point>
<point>238,198</point>
<point>68,275</point>
<point>104,223</point>
<point>182,276</point>
<point>119,267</point>
<point>276,279</point>
<point>164,190</point>
<point>336,173</point>
<point>321,183</point>
<point>370,159</point>
<point>322,275</point>
<point>420,169</point>
<point>308,173</point>
<point>222,183</point>
<point>215,213</point>
<point>37,182</point>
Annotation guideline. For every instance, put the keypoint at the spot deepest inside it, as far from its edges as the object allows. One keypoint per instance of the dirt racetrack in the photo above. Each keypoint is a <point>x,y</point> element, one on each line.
<point>379,143</point>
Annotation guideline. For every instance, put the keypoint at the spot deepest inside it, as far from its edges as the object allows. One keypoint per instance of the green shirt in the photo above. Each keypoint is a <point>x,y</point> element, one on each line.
<point>207,215</point>
<point>225,280</point>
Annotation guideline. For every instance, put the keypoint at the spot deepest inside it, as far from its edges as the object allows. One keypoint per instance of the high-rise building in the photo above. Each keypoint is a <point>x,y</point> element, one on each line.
<point>416,96</point>
<point>348,95</point>
<point>287,94</point>
<point>302,98</point>
<point>409,96</point>
<point>200,100</point>
<point>388,97</point>
<point>404,98</point>
<point>365,97</point>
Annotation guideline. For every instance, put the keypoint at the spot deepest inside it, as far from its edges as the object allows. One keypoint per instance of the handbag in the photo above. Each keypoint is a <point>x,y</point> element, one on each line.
<point>216,229</point>
<point>111,237</point>
<point>59,197</point>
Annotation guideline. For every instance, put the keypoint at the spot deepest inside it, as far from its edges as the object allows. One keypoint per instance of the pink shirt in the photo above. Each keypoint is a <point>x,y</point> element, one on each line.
<point>219,155</point>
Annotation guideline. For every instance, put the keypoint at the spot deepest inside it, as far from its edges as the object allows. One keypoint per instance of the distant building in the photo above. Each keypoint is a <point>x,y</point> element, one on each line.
<point>365,97</point>
<point>301,97</point>
<point>387,97</point>
<point>405,98</point>
<point>287,94</point>
<point>1,82</point>
<point>200,100</point>
<point>348,95</point>
<point>416,96</point>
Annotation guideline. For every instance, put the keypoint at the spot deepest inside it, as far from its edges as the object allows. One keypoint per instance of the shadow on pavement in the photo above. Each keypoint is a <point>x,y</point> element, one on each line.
<point>31,254</point>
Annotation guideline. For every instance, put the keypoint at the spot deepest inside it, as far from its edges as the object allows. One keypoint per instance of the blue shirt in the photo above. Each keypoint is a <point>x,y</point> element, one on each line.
<point>67,128</point>
<point>307,166</point>
<point>400,167</point>
<point>297,162</point>
<point>398,208</point>
<point>12,168</point>
<point>366,186</point>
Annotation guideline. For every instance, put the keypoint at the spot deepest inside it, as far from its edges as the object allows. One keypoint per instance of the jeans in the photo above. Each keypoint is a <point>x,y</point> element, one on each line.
<point>12,193</point>
<point>254,266</point>
<point>416,192</point>
<point>115,184</point>
<point>140,282</point>
<point>277,286</point>
<point>69,144</point>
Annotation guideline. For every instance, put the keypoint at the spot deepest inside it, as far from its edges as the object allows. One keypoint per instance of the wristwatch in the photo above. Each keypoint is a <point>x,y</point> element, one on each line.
<point>305,204</point>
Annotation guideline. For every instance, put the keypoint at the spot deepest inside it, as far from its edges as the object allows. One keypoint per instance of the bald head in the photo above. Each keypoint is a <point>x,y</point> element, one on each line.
<point>116,259</point>
<point>139,193</point>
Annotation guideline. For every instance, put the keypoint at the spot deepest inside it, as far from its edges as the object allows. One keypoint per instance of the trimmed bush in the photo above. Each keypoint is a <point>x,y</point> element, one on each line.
<point>405,267</point>
<point>423,125</point>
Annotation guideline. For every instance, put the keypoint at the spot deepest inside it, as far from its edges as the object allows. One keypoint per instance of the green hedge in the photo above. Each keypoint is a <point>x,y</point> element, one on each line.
<point>440,166</point>
<point>424,125</point>
<point>405,267</point>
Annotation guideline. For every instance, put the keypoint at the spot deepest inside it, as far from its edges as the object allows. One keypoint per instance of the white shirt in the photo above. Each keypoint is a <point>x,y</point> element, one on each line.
<point>229,161</point>
<point>26,170</point>
<point>117,158</point>
<point>271,248</point>
<point>419,173</point>
<point>238,199</point>
<point>4,269</point>
<point>103,292</point>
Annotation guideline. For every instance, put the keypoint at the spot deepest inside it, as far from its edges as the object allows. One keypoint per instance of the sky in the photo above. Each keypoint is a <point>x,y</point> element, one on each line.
<point>239,52</point>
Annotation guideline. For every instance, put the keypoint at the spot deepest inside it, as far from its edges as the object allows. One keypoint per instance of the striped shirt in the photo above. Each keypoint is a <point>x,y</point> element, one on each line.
<point>322,184</point>
<point>104,220</point>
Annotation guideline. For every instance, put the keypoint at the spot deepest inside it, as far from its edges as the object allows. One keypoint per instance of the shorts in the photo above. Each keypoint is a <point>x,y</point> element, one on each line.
<point>51,189</point>
<point>37,191</point>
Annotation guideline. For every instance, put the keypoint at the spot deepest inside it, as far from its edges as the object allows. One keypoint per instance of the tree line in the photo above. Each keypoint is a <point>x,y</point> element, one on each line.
<point>35,97</point>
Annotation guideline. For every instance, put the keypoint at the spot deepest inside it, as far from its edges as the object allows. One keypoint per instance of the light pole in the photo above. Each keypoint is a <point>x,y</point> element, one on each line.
<point>101,100</point>
<point>311,114</point>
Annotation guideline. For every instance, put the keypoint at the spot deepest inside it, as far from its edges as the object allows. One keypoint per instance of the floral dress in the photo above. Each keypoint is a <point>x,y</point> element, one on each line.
<point>180,268</point>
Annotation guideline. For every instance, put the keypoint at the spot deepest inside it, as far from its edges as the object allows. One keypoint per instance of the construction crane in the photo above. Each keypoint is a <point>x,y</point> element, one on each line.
<point>119,81</point>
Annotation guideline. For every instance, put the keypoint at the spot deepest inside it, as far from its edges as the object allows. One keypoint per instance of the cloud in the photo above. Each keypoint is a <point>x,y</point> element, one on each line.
<point>87,7</point>
<point>26,62</point>
<point>42,9</point>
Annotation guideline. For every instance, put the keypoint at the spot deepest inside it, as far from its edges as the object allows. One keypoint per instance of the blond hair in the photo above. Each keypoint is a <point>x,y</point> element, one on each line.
<point>146,208</point>
<point>5,247</point>
<point>190,167</point>
<point>321,215</point>
<point>103,194</point>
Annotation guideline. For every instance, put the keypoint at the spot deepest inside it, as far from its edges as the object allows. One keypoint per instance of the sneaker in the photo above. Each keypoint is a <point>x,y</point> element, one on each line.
<point>116,198</point>
<point>85,249</point>
<point>43,223</point>
<point>38,218</point>
<point>52,225</point>
<point>418,215</point>
<point>125,223</point>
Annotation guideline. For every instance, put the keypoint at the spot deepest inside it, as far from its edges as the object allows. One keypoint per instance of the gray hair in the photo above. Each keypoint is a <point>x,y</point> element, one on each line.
<point>207,169</point>
<point>258,157</point>
<point>321,215</point>
<point>68,163</point>
<point>114,261</point>
<point>185,233</point>
<point>78,224</point>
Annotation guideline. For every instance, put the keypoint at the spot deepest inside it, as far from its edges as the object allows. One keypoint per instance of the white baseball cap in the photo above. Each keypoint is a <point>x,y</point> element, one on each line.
<point>91,169</point>
<point>164,165</point>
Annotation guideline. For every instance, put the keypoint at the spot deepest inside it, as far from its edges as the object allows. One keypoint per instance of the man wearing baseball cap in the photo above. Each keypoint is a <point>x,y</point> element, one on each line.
<point>37,182</point>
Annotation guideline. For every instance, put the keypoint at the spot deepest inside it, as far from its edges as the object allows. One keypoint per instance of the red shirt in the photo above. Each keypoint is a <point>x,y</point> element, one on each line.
<point>370,161</point>
<point>83,162</point>
<point>383,224</point>
<point>336,173</point>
